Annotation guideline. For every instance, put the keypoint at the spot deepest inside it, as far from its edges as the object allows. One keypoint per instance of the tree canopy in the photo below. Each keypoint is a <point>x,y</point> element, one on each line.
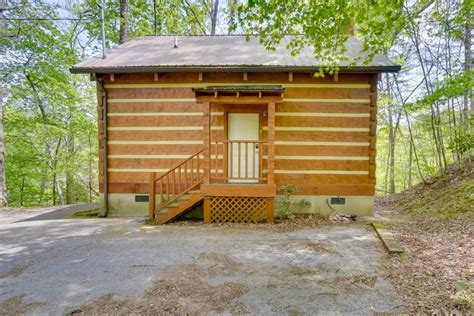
<point>50,118</point>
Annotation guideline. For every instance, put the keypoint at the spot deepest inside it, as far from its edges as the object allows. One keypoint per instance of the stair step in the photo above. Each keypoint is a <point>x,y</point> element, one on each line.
<point>167,214</point>
<point>163,211</point>
<point>169,208</point>
<point>175,205</point>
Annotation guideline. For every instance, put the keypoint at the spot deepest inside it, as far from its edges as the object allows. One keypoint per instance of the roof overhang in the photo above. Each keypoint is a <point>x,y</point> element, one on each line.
<point>229,68</point>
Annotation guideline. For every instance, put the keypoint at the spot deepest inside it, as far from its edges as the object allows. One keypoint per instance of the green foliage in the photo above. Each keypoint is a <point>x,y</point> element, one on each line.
<point>173,17</point>
<point>462,144</point>
<point>451,87</point>
<point>465,294</point>
<point>49,116</point>
<point>286,206</point>
<point>448,195</point>
<point>429,102</point>
<point>323,25</point>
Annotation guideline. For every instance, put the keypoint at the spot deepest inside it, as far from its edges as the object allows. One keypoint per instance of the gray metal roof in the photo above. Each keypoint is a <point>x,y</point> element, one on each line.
<point>218,53</point>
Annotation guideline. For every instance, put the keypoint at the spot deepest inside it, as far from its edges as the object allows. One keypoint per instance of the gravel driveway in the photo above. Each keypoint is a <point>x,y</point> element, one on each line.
<point>119,266</point>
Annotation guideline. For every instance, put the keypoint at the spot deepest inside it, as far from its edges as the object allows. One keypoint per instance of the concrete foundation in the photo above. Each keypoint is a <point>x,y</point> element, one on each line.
<point>125,205</point>
<point>354,205</point>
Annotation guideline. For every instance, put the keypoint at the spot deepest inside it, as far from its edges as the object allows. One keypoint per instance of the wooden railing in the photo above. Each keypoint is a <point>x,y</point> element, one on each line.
<point>237,161</point>
<point>173,184</point>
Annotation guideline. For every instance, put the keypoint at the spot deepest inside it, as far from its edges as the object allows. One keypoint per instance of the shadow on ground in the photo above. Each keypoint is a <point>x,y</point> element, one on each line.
<point>115,265</point>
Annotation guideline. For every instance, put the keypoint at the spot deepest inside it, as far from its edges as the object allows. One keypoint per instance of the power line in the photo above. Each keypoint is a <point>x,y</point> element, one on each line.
<point>42,19</point>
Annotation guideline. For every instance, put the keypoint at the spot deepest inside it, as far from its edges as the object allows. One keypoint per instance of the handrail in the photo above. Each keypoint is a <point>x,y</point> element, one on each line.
<point>234,157</point>
<point>192,179</point>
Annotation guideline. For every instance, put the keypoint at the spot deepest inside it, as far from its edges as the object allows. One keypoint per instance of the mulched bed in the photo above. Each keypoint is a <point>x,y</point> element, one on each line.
<point>281,225</point>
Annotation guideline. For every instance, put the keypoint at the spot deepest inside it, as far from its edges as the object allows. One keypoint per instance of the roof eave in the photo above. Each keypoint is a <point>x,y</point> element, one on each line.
<point>250,68</point>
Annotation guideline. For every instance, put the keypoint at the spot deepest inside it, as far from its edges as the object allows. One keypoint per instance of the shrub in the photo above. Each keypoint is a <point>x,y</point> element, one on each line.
<point>285,206</point>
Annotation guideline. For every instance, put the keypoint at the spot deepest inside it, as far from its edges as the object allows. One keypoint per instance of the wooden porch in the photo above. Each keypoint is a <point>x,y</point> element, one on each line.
<point>233,178</point>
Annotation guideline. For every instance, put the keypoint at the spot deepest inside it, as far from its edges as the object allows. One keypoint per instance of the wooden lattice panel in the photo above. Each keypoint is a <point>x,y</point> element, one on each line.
<point>237,209</point>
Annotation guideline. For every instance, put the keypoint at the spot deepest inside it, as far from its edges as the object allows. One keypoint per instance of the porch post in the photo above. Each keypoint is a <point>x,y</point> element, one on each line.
<point>271,144</point>
<point>270,211</point>
<point>152,196</point>
<point>206,116</point>
<point>207,210</point>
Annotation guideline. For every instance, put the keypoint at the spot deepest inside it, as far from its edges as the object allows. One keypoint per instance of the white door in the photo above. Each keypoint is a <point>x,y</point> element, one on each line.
<point>243,126</point>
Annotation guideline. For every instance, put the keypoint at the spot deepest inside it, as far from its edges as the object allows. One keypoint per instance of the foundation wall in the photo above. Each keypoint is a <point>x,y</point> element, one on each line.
<point>124,205</point>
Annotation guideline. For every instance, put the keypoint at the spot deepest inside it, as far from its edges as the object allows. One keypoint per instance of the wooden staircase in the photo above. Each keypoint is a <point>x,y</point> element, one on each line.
<point>178,190</point>
<point>183,204</point>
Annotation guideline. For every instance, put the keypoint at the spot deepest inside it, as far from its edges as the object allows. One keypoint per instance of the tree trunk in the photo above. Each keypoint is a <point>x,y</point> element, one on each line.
<point>412,141</point>
<point>215,9</point>
<point>54,169</point>
<point>22,190</point>
<point>435,120</point>
<point>391,143</point>
<point>155,18</point>
<point>43,186</point>
<point>410,166</point>
<point>59,192</point>
<point>54,189</point>
<point>392,131</point>
<point>124,16</point>
<point>3,193</point>
<point>70,181</point>
<point>468,97</point>
<point>90,167</point>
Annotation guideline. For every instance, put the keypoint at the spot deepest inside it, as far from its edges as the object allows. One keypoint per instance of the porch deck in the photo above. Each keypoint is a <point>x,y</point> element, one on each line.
<point>234,178</point>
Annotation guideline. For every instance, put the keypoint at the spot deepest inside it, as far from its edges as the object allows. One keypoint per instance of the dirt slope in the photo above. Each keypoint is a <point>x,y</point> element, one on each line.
<point>434,223</point>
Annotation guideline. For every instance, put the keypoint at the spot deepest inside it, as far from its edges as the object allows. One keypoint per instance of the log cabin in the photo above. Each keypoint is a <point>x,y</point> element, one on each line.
<point>222,122</point>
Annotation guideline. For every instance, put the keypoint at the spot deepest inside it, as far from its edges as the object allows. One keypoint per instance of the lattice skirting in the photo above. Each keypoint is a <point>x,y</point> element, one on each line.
<point>238,209</point>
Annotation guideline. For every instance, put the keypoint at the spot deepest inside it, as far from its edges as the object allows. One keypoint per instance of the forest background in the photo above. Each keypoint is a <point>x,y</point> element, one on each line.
<point>49,145</point>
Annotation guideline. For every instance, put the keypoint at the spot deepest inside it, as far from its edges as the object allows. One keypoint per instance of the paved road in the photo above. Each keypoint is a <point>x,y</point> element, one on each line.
<point>56,267</point>
<point>12,215</point>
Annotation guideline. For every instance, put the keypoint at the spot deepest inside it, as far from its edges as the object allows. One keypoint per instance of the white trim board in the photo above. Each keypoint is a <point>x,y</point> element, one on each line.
<point>310,143</point>
<point>316,114</point>
<point>319,129</point>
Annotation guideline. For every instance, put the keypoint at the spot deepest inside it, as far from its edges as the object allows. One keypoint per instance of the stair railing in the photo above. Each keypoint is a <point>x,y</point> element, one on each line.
<point>176,182</point>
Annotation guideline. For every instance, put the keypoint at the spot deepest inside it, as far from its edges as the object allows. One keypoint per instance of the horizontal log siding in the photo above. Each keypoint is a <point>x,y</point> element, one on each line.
<point>342,121</point>
<point>328,128</point>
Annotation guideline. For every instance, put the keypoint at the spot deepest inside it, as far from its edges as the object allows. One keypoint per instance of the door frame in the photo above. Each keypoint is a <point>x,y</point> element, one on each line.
<point>239,108</point>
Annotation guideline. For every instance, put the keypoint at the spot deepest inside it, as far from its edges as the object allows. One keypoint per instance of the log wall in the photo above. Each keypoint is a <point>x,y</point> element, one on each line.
<point>324,130</point>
